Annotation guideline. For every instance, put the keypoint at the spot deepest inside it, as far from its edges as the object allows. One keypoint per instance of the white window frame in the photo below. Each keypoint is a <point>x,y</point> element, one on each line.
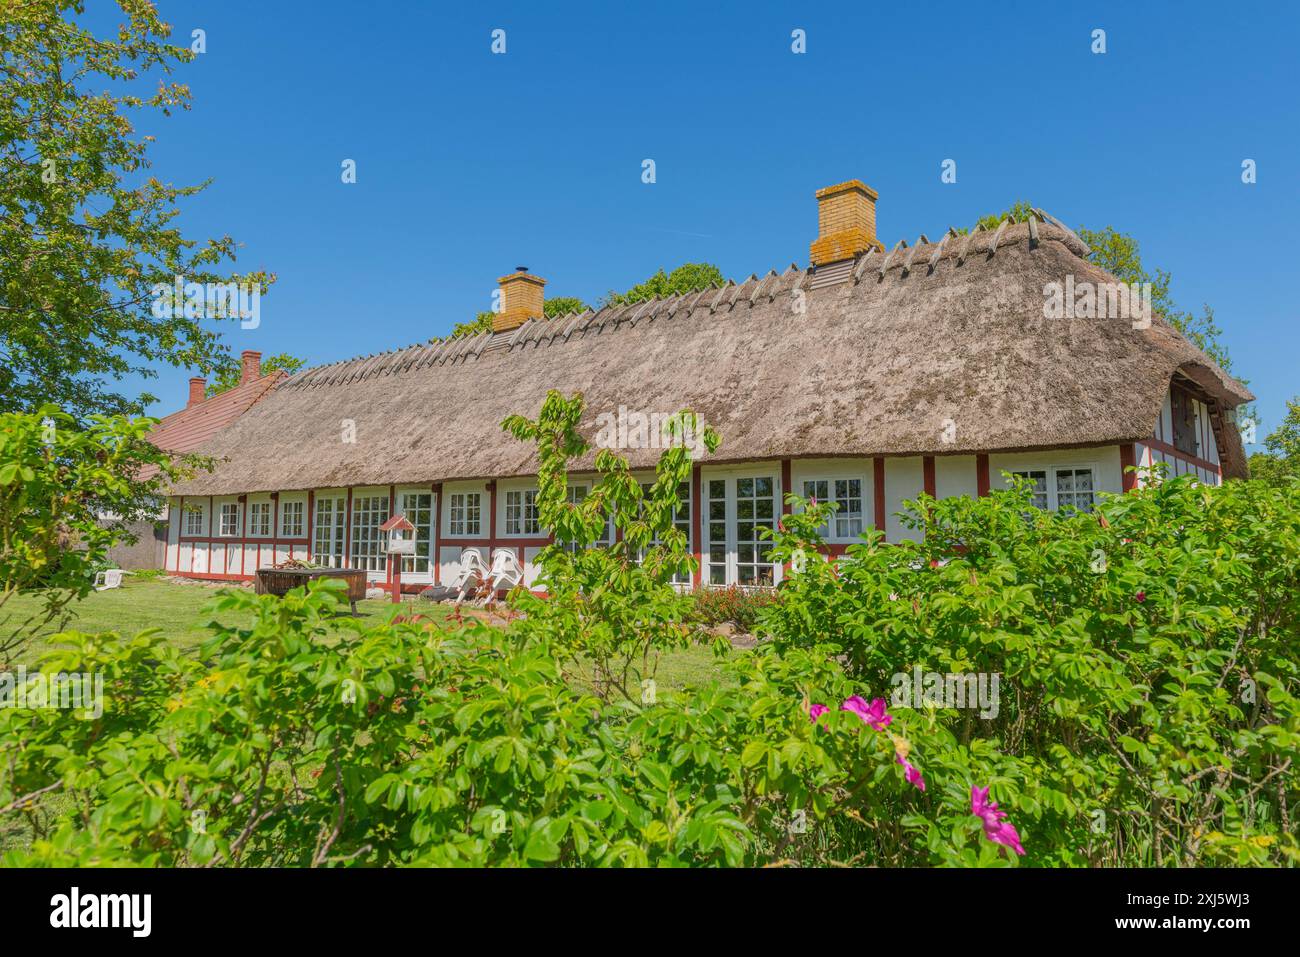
<point>731,521</point>
<point>330,530</point>
<point>192,515</point>
<point>527,525</point>
<point>1051,471</point>
<point>466,508</point>
<point>231,510</point>
<point>424,525</point>
<point>679,578</point>
<point>260,519</point>
<point>367,550</point>
<point>293,506</point>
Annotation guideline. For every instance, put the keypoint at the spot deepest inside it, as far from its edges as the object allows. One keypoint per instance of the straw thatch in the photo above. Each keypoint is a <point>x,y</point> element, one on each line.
<point>874,366</point>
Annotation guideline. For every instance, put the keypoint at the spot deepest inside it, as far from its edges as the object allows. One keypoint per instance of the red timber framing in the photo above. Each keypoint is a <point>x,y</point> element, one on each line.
<point>435,540</point>
<point>1127,460</point>
<point>879,501</point>
<point>1181,456</point>
<point>927,472</point>
<point>981,475</point>
<point>311,517</point>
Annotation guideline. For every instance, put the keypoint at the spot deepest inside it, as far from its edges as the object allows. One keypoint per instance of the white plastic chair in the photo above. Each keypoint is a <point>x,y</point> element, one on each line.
<point>472,569</point>
<point>506,570</point>
<point>112,578</point>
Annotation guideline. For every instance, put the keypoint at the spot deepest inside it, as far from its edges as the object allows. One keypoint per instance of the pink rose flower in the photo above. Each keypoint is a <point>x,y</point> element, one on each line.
<point>816,711</point>
<point>873,713</point>
<point>912,775</point>
<point>996,826</point>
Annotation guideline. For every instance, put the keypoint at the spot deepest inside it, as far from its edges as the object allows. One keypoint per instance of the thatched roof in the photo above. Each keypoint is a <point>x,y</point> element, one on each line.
<point>874,366</point>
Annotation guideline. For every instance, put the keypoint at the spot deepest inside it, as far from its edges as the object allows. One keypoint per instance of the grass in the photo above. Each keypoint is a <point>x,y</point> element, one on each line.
<point>177,610</point>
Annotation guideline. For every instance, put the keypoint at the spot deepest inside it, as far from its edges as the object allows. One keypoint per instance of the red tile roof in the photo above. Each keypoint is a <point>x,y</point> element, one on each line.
<point>186,430</point>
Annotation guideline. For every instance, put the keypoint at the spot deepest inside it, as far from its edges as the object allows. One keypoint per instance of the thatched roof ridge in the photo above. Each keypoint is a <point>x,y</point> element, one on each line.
<point>875,363</point>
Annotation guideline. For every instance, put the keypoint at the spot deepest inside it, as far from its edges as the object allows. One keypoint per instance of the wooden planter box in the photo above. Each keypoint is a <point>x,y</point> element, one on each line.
<point>280,581</point>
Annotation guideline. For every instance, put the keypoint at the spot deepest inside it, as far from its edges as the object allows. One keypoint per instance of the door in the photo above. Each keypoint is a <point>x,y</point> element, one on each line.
<point>328,530</point>
<point>418,509</point>
<point>737,510</point>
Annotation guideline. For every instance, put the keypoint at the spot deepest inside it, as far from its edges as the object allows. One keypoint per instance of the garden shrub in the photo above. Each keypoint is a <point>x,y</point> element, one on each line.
<point>1148,656</point>
<point>739,606</point>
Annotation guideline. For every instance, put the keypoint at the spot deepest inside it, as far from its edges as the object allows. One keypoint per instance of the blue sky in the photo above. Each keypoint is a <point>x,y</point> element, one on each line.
<point>470,163</point>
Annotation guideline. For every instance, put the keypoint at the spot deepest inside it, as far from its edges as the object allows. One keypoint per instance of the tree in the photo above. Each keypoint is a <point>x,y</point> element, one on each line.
<point>688,277</point>
<point>1281,463</point>
<point>88,246</point>
<point>228,374</point>
<point>67,492</point>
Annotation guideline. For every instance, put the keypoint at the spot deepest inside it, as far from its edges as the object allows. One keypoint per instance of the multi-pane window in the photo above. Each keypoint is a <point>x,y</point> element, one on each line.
<point>259,520</point>
<point>192,520</point>
<point>820,490</point>
<point>1074,489</point>
<point>578,493</point>
<point>681,521</point>
<point>1062,488</point>
<point>368,513</point>
<point>1038,478</point>
<point>846,494</point>
<point>717,532</point>
<point>755,511</point>
<point>229,519</point>
<point>418,509</point>
<point>291,519</point>
<point>329,530</point>
<point>521,512</point>
<point>466,514</point>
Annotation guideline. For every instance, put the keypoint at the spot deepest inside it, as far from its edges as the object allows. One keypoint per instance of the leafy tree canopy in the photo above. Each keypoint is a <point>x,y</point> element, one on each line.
<point>228,374</point>
<point>85,233</point>
<point>1281,462</point>
<point>688,277</point>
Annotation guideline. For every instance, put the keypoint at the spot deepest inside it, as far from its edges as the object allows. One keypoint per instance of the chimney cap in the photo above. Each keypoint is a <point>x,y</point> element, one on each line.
<point>846,186</point>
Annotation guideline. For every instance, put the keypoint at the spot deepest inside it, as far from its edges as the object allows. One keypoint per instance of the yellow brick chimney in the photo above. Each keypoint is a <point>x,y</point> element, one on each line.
<point>846,222</point>
<point>521,299</point>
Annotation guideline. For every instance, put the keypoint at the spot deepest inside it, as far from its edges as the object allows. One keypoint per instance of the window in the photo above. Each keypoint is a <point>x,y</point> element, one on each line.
<point>466,514</point>
<point>192,520</point>
<point>368,513</point>
<point>681,521</point>
<point>755,510</point>
<point>418,509</point>
<point>1039,480</point>
<point>717,532</point>
<point>329,530</point>
<point>848,515</point>
<point>229,519</point>
<point>1059,488</point>
<point>1182,407</point>
<point>1074,489</point>
<point>521,512</point>
<point>291,519</point>
<point>259,520</point>
<point>819,489</point>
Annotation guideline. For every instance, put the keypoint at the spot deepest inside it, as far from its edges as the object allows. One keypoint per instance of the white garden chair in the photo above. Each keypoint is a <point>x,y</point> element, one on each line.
<point>506,570</point>
<point>472,569</point>
<point>112,578</point>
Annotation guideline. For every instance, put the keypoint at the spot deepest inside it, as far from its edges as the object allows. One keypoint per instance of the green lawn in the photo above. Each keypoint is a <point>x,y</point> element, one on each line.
<point>178,611</point>
<point>141,604</point>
